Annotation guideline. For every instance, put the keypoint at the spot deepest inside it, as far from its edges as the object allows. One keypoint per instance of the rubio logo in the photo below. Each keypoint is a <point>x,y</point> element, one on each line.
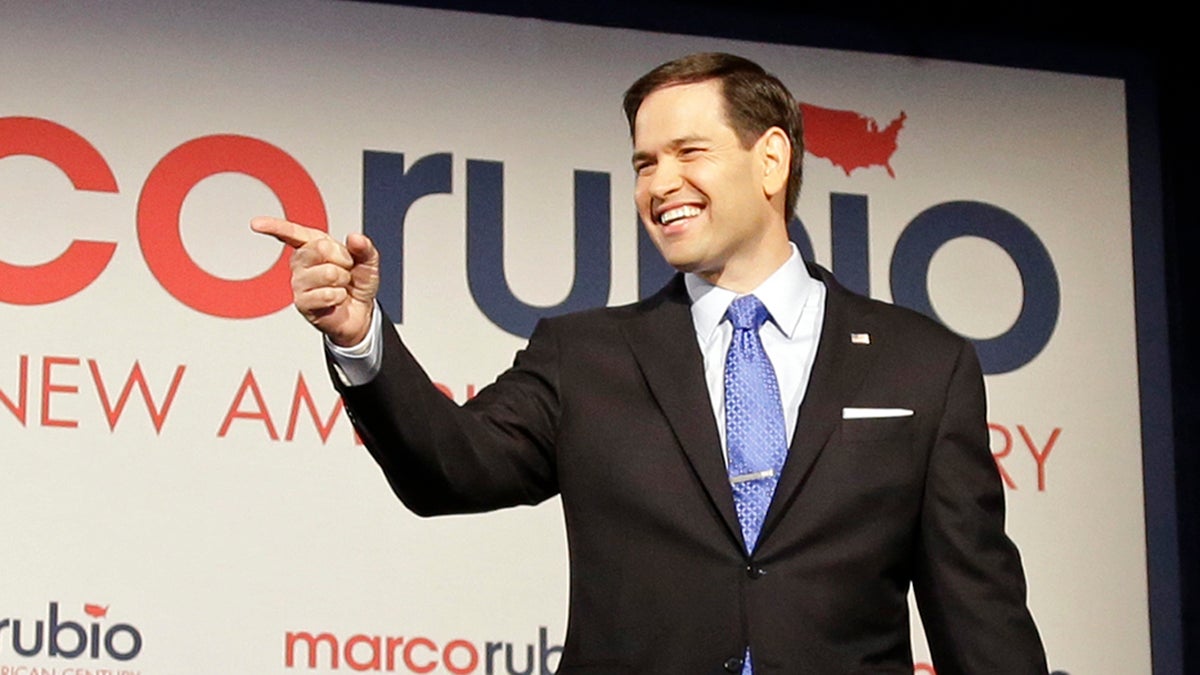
<point>68,639</point>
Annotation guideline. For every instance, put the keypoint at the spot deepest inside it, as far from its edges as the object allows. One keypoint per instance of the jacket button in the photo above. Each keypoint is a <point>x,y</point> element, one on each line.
<point>755,572</point>
<point>733,665</point>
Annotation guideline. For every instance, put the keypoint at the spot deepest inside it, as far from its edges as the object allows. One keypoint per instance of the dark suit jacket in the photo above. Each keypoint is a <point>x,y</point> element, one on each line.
<point>608,408</point>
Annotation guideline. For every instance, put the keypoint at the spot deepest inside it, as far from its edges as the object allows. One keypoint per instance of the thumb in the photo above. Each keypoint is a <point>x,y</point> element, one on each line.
<point>362,250</point>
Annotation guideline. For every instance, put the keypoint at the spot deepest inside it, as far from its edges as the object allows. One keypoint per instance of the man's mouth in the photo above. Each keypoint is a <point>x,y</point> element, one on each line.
<point>678,213</point>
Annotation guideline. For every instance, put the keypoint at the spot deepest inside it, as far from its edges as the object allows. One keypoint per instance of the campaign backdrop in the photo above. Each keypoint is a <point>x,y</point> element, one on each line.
<point>180,490</point>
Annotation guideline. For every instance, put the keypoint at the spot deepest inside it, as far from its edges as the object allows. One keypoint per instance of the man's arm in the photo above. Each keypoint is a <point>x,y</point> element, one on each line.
<point>968,581</point>
<point>439,458</point>
<point>496,450</point>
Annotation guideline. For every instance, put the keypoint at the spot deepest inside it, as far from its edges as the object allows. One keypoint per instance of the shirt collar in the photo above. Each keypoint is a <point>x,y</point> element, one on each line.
<point>784,294</point>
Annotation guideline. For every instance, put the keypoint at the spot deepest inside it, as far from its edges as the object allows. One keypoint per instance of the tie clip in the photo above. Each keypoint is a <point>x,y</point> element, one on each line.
<point>746,477</point>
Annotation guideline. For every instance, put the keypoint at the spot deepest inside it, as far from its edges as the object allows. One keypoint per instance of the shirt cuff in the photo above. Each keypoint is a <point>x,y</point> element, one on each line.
<point>359,364</point>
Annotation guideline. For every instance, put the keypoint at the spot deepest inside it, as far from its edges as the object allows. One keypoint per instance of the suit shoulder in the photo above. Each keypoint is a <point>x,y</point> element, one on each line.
<point>588,325</point>
<point>599,318</point>
<point>903,324</point>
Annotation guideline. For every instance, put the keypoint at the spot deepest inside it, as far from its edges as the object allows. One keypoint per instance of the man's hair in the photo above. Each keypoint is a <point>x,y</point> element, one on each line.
<point>755,101</point>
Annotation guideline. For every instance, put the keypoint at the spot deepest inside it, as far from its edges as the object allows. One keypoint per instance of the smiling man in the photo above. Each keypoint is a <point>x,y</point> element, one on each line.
<point>755,465</point>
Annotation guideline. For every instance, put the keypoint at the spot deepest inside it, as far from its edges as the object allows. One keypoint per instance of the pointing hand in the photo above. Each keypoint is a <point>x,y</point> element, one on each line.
<point>333,286</point>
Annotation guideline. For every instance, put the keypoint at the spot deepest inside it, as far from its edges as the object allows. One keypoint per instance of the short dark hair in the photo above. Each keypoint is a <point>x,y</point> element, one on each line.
<point>755,101</point>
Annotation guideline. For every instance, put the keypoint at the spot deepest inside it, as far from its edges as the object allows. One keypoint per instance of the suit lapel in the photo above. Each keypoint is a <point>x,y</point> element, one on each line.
<point>837,374</point>
<point>663,340</point>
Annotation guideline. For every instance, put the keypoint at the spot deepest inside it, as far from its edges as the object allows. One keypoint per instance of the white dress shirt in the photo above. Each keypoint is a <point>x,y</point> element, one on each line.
<point>796,302</point>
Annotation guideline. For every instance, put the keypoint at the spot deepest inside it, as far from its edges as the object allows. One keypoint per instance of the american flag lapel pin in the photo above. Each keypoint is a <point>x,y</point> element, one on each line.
<point>860,338</point>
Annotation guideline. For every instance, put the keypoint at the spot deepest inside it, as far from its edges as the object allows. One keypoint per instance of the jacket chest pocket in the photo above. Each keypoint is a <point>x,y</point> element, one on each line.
<point>878,457</point>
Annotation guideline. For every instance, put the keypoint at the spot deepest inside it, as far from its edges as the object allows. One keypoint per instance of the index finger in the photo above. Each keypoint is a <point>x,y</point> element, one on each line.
<point>287,232</point>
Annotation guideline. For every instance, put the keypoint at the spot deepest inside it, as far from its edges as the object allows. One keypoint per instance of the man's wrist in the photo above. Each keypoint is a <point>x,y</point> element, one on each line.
<point>359,363</point>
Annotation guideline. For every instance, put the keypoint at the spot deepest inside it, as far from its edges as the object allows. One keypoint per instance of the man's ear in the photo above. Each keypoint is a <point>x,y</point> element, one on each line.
<point>775,153</point>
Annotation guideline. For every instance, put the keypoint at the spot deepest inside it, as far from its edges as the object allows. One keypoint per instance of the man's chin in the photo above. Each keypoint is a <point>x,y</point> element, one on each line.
<point>681,261</point>
<point>680,257</point>
<point>685,264</point>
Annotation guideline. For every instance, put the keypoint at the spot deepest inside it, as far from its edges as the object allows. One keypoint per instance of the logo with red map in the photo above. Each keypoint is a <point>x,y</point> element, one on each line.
<point>850,139</point>
<point>57,635</point>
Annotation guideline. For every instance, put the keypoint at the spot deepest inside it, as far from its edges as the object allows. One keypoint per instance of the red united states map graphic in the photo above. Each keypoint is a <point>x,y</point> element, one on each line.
<point>850,139</point>
<point>96,611</point>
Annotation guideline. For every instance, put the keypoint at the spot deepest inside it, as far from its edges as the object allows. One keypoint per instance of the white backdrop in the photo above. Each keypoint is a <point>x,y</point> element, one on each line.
<point>208,539</point>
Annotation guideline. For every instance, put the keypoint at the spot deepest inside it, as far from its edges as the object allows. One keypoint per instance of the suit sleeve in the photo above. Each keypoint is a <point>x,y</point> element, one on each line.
<point>496,450</point>
<point>968,581</point>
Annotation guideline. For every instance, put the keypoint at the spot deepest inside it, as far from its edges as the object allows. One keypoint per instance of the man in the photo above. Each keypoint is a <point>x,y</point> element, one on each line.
<point>754,464</point>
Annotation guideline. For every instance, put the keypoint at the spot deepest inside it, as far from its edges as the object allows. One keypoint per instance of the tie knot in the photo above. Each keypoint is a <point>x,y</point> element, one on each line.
<point>747,312</point>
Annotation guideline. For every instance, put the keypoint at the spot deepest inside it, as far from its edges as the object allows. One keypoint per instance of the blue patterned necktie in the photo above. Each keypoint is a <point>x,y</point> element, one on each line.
<point>755,433</point>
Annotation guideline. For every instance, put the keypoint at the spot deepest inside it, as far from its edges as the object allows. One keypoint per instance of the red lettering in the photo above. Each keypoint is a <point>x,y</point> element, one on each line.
<point>162,199</point>
<point>82,261</point>
<point>392,643</point>
<point>1008,446</point>
<point>1041,457</point>
<point>159,206</point>
<point>460,645</point>
<point>458,656</point>
<point>49,387</point>
<point>373,664</point>
<point>924,668</point>
<point>251,385</point>
<point>113,414</point>
<point>289,648</point>
<point>302,395</point>
<point>21,409</point>
<point>408,649</point>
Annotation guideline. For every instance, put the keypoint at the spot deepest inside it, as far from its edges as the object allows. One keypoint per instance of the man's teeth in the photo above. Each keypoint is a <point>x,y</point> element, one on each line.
<point>675,214</point>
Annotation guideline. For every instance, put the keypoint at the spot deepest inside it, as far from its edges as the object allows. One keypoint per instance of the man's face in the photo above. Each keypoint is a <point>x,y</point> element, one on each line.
<point>699,192</point>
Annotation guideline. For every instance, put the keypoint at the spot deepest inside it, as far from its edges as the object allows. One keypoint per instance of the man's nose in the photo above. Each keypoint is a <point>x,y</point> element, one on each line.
<point>667,179</point>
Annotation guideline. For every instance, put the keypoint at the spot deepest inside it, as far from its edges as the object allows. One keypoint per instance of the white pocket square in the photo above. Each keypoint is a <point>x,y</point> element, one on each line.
<point>869,413</point>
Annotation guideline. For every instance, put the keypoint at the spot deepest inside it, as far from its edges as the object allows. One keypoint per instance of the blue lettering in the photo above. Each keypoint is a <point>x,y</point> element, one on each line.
<point>57,628</point>
<point>135,642</point>
<point>37,639</point>
<point>546,651</point>
<point>485,248</point>
<point>133,639</point>
<point>851,261</point>
<point>388,192</point>
<point>935,226</point>
<point>491,648</point>
<point>508,660</point>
